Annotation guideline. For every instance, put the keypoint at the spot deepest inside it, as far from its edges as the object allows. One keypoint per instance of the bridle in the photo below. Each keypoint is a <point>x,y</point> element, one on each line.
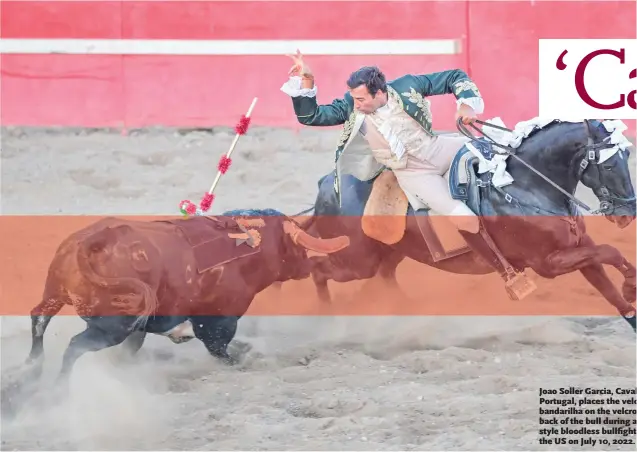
<point>592,154</point>
<point>607,200</point>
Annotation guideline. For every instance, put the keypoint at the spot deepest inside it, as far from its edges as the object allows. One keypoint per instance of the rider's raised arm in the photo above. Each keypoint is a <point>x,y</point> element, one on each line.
<point>309,112</point>
<point>454,81</point>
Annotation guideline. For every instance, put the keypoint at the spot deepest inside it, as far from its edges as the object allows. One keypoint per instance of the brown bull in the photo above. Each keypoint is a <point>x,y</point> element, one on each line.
<point>182,278</point>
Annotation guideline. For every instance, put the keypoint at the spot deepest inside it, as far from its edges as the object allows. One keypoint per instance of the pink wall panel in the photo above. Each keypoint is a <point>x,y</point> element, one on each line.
<point>499,50</point>
<point>62,90</point>
<point>292,20</point>
<point>61,19</point>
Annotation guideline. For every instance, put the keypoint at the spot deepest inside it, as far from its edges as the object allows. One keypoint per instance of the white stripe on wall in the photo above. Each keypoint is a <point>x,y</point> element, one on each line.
<point>230,47</point>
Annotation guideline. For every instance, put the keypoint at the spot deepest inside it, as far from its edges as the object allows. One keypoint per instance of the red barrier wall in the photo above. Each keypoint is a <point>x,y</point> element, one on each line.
<point>499,50</point>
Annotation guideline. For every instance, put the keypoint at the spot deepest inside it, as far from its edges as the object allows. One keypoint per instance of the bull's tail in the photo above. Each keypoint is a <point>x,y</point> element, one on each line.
<point>98,241</point>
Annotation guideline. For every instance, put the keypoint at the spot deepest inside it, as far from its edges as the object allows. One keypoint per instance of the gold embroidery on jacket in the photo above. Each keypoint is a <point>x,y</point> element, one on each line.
<point>416,98</point>
<point>465,85</point>
<point>393,95</point>
<point>347,129</point>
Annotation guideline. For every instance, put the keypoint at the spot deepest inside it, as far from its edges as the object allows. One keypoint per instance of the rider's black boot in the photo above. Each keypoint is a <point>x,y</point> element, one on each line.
<point>517,285</point>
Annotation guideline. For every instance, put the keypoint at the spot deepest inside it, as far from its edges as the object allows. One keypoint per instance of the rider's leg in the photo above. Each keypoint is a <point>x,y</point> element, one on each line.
<point>432,190</point>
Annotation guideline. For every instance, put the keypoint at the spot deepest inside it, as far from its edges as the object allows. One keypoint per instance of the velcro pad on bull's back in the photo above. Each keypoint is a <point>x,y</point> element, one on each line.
<point>384,218</point>
<point>210,240</point>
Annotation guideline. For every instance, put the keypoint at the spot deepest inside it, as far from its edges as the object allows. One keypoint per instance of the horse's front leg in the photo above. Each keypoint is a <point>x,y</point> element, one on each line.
<point>589,259</point>
<point>596,275</point>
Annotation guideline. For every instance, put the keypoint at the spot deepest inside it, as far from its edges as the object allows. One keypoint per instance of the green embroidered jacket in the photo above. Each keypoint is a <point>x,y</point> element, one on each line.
<point>409,90</point>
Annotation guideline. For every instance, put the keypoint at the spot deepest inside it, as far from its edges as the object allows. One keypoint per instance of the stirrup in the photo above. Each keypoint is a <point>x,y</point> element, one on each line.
<point>519,285</point>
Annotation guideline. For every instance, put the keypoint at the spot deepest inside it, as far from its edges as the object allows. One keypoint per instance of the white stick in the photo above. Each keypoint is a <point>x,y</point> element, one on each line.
<point>232,146</point>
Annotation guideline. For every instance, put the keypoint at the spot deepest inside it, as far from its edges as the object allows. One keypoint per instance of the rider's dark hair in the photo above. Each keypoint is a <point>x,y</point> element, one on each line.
<point>371,77</point>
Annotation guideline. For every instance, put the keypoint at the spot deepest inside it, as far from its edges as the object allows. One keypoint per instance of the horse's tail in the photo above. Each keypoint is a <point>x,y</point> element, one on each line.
<point>98,241</point>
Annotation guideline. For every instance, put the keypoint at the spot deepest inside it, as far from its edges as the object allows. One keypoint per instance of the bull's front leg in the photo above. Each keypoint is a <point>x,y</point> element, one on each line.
<point>388,266</point>
<point>589,259</point>
<point>216,333</point>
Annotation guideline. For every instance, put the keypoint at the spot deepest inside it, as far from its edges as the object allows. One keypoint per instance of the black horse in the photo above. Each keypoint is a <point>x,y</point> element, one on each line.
<point>524,219</point>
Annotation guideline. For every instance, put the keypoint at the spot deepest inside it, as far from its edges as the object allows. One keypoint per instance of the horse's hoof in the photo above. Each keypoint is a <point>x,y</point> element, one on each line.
<point>630,318</point>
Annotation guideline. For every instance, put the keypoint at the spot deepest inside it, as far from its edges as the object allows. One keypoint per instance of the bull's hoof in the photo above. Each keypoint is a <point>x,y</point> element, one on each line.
<point>8,408</point>
<point>33,370</point>
<point>227,360</point>
<point>239,348</point>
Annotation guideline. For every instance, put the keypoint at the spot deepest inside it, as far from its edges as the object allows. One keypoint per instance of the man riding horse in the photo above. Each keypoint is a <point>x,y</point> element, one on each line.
<point>395,119</point>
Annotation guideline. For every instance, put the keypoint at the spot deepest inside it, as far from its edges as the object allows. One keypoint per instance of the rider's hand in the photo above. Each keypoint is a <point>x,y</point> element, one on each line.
<point>301,69</point>
<point>466,113</point>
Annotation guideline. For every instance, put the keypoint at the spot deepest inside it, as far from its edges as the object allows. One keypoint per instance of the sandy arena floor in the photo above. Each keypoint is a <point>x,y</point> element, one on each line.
<point>310,383</point>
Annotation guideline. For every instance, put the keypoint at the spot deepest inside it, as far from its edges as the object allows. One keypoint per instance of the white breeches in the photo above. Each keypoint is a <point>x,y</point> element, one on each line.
<point>425,185</point>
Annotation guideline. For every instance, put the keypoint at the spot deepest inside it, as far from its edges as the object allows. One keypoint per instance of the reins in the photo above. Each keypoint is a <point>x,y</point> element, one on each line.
<point>512,152</point>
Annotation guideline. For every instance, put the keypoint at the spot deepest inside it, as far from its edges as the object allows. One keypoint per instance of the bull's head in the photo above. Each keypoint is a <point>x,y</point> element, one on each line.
<point>298,265</point>
<point>285,242</point>
<point>311,243</point>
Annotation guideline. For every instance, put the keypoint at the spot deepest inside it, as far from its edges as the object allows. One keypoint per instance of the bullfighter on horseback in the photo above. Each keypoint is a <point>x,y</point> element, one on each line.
<point>395,119</point>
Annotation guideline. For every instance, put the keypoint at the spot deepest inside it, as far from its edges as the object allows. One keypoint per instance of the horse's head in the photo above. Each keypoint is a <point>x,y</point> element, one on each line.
<point>603,167</point>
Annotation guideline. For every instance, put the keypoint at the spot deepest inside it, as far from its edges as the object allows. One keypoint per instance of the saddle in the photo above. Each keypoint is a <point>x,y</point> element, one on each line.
<point>217,241</point>
<point>384,218</point>
<point>386,210</point>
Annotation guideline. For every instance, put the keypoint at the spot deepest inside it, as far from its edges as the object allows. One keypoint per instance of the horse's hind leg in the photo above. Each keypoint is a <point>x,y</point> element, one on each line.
<point>589,259</point>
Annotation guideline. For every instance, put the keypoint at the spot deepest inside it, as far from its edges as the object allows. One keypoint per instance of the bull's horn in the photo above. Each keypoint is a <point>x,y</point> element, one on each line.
<point>325,246</point>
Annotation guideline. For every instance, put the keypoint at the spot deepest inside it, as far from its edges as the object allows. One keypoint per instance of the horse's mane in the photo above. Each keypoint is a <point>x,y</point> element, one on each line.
<point>557,134</point>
